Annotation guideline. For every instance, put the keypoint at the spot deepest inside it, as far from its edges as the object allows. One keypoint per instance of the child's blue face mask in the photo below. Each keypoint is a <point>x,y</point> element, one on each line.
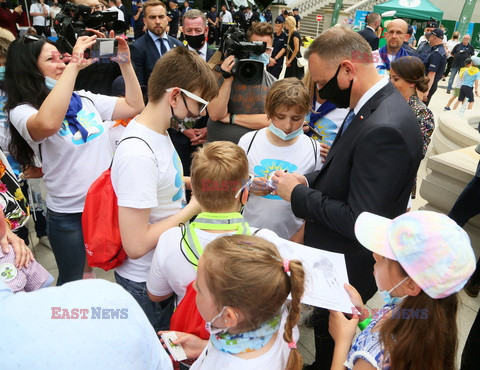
<point>264,58</point>
<point>282,135</point>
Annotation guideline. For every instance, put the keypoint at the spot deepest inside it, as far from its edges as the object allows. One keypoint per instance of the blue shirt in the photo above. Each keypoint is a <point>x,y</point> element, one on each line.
<point>436,61</point>
<point>157,43</point>
<point>469,80</point>
<point>105,329</point>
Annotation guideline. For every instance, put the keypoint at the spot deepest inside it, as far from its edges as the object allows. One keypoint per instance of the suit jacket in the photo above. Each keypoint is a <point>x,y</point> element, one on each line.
<point>145,54</point>
<point>370,167</point>
<point>368,34</point>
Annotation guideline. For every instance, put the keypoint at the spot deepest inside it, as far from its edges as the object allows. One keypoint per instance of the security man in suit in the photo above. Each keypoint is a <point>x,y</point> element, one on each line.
<point>373,21</point>
<point>371,165</point>
<point>150,47</point>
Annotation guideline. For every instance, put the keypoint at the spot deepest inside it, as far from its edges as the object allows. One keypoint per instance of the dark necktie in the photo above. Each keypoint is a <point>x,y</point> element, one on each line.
<point>163,48</point>
<point>348,119</point>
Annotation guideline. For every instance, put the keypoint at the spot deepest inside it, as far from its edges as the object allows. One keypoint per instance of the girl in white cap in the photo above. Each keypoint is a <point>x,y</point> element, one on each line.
<point>422,259</point>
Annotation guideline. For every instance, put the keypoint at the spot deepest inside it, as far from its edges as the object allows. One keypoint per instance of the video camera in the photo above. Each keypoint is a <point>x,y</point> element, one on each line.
<point>72,20</point>
<point>247,70</point>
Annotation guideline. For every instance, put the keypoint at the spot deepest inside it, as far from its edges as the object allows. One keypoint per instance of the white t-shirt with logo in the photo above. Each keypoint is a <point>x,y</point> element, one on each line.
<point>69,164</point>
<point>271,211</point>
<point>143,180</point>
<point>171,271</point>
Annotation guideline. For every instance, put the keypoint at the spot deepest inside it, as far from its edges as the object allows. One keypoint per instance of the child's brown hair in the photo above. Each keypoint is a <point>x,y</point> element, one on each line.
<point>290,93</point>
<point>183,68</point>
<point>218,170</point>
<point>247,273</point>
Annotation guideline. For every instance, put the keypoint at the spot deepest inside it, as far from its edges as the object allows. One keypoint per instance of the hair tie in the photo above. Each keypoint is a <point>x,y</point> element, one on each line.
<point>292,345</point>
<point>286,265</point>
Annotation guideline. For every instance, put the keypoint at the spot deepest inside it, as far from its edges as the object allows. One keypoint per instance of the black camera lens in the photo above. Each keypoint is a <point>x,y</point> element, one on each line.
<point>250,72</point>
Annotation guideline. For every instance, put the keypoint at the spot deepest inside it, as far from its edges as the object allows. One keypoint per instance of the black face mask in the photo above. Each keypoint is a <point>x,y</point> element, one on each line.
<point>195,42</point>
<point>332,92</point>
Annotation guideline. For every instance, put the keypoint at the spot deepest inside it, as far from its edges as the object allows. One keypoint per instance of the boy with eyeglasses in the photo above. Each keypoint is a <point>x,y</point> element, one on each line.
<point>147,174</point>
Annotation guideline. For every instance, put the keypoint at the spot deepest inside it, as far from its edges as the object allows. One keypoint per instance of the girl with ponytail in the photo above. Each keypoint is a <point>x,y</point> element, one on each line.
<point>242,286</point>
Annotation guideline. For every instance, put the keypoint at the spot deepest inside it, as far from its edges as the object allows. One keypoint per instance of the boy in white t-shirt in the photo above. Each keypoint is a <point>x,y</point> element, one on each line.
<point>147,173</point>
<point>220,182</point>
<point>281,146</point>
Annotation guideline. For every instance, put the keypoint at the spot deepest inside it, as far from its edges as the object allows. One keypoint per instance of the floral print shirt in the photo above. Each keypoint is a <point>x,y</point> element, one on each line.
<point>425,120</point>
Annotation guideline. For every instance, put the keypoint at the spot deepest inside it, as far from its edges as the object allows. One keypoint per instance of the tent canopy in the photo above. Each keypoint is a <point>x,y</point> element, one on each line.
<point>413,9</point>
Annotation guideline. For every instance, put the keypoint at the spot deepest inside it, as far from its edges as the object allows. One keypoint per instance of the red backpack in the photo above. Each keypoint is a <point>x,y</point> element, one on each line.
<point>186,317</point>
<point>101,231</point>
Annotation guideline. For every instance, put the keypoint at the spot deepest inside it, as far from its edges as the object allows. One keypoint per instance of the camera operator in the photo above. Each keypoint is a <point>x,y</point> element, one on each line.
<point>238,108</point>
<point>97,77</point>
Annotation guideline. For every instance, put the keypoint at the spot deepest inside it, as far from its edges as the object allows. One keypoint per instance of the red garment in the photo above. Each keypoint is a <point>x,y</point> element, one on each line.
<point>8,20</point>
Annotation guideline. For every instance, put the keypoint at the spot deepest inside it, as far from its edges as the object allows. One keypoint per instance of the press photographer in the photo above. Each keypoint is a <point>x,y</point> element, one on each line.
<point>72,22</point>
<point>244,84</point>
<point>76,16</point>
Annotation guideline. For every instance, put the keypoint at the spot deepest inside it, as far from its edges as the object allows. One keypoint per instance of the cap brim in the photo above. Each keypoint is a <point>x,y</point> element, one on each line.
<point>371,231</point>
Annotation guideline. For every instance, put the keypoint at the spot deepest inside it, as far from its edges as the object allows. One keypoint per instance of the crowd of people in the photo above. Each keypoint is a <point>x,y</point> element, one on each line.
<point>213,176</point>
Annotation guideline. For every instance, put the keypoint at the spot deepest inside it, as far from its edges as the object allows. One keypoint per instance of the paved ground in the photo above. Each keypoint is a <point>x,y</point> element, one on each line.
<point>468,306</point>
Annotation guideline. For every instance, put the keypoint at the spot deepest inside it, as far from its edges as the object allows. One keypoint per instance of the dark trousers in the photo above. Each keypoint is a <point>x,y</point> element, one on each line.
<point>431,92</point>
<point>360,272</point>
<point>471,351</point>
<point>277,68</point>
<point>43,30</point>
<point>449,66</point>
<point>66,238</point>
<point>467,206</point>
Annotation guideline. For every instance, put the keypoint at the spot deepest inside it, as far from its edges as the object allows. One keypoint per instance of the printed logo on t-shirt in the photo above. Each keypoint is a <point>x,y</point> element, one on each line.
<point>326,127</point>
<point>267,166</point>
<point>177,163</point>
<point>88,121</point>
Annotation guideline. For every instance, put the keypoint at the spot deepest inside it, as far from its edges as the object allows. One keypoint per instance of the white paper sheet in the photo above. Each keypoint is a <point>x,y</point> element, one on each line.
<point>325,276</point>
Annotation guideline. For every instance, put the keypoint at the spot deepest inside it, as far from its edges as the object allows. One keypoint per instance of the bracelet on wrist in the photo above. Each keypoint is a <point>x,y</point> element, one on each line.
<point>232,119</point>
<point>225,74</point>
<point>363,324</point>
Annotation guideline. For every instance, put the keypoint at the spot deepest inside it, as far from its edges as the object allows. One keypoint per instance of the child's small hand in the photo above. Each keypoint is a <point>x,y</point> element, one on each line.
<point>259,187</point>
<point>342,329</point>
<point>356,299</point>
<point>191,344</point>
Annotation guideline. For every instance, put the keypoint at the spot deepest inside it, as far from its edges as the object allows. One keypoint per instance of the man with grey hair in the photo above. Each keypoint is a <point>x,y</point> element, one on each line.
<point>373,21</point>
<point>460,53</point>
<point>371,166</point>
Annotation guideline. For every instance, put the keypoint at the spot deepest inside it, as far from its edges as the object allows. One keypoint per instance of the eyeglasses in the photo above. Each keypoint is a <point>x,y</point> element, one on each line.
<point>202,104</point>
<point>247,185</point>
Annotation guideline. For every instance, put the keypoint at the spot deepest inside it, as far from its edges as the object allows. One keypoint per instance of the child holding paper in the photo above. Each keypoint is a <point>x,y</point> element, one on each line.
<point>422,259</point>
<point>242,285</point>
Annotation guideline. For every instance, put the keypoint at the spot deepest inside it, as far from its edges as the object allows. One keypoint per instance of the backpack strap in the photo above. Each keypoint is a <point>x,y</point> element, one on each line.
<point>134,137</point>
<point>315,151</point>
<point>251,142</point>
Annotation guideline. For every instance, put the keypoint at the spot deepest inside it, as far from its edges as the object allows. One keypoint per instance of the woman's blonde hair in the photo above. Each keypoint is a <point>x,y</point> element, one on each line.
<point>291,23</point>
<point>247,273</point>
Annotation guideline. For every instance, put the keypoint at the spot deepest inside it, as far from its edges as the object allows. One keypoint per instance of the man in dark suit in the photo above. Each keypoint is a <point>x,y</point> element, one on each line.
<point>373,21</point>
<point>371,165</point>
<point>151,46</point>
<point>194,132</point>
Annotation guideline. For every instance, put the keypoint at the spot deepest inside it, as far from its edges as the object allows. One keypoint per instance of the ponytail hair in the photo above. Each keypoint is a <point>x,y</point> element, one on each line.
<point>248,273</point>
<point>412,70</point>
